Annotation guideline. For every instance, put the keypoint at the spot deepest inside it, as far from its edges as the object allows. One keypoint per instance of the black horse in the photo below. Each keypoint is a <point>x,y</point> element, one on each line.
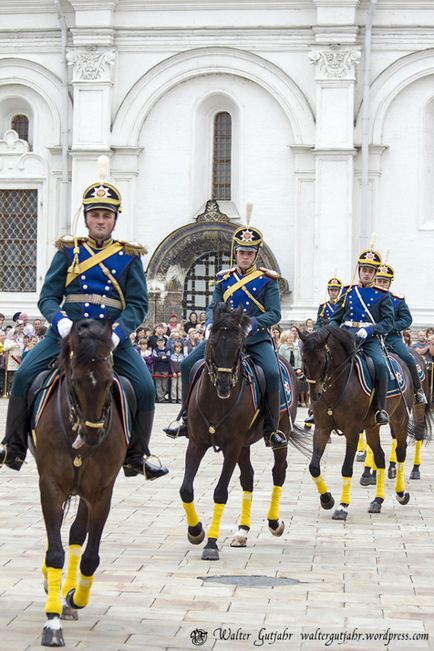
<point>222,415</point>
<point>80,448</point>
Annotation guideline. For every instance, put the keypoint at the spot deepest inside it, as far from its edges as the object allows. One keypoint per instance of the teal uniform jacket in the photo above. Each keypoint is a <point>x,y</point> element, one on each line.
<point>350,310</point>
<point>262,288</point>
<point>93,286</point>
<point>402,321</point>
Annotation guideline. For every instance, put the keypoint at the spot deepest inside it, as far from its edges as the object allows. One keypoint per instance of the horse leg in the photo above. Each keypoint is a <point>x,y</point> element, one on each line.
<point>230,454</point>
<point>98,512</point>
<point>391,471</point>
<point>77,536</point>
<point>369,474</point>
<point>373,438</point>
<point>415,472</point>
<point>401,450</point>
<point>361,448</point>
<point>239,539</point>
<point>341,512</point>
<point>52,502</point>
<point>193,456</point>
<point>276,526</point>
<point>320,438</point>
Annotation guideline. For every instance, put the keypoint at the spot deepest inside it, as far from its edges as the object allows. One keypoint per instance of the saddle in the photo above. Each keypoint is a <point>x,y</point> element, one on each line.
<point>365,368</point>
<point>254,375</point>
<point>45,382</point>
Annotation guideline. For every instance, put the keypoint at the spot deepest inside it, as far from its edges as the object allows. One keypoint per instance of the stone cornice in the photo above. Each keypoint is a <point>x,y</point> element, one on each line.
<point>201,5</point>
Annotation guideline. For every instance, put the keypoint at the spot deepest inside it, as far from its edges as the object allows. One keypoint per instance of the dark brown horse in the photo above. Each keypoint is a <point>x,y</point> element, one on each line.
<point>222,415</point>
<point>80,447</point>
<point>339,403</point>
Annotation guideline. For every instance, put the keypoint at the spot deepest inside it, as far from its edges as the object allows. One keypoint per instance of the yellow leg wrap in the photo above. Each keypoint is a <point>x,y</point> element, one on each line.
<point>400,482</point>
<point>361,445</point>
<point>190,513</point>
<point>417,450</point>
<point>53,603</point>
<point>214,527</point>
<point>70,581</point>
<point>379,492</point>
<point>273,511</point>
<point>246,505</point>
<point>320,484</point>
<point>369,461</point>
<point>81,595</point>
<point>346,488</point>
<point>392,455</point>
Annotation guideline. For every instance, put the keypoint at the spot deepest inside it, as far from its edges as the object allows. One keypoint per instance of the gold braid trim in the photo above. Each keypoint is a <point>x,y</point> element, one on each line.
<point>133,248</point>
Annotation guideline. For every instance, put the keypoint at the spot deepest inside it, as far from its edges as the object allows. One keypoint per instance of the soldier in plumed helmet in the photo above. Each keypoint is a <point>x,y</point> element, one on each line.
<point>365,311</point>
<point>402,320</point>
<point>256,290</point>
<point>93,277</point>
<point>326,309</point>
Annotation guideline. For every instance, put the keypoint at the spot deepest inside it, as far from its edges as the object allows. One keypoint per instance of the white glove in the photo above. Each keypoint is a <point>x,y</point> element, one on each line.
<point>208,331</point>
<point>64,327</point>
<point>362,333</point>
<point>115,340</point>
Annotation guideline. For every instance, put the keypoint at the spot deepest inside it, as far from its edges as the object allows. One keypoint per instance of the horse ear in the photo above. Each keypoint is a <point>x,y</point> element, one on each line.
<point>303,335</point>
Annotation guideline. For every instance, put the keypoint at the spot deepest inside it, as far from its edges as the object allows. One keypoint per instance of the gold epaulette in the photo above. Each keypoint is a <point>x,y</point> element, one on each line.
<point>222,275</point>
<point>67,241</point>
<point>270,273</point>
<point>395,295</point>
<point>133,248</point>
<point>381,289</point>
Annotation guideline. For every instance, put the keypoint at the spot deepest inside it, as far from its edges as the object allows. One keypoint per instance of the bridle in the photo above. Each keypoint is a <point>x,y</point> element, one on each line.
<point>214,370</point>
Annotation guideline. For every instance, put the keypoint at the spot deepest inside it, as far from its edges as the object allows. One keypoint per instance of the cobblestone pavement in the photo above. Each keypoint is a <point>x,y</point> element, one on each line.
<point>370,577</point>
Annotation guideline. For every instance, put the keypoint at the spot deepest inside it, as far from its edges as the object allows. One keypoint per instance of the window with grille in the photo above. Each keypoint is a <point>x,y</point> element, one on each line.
<point>18,240</point>
<point>20,124</point>
<point>221,168</point>
<point>197,290</point>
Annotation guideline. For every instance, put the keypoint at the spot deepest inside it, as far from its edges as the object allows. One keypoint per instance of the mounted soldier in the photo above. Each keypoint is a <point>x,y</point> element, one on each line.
<point>93,277</point>
<point>366,311</point>
<point>402,320</point>
<point>326,309</point>
<point>256,291</point>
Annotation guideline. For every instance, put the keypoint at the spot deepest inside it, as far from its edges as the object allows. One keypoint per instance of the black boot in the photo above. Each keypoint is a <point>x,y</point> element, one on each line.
<point>179,427</point>
<point>419,395</point>
<point>14,445</point>
<point>273,437</point>
<point>138,448</point>
<point>381,415</point>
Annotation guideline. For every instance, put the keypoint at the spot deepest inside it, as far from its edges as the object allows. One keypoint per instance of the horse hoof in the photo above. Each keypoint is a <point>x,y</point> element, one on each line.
<point>415,473</point>
<point>361,456</point>
<point>210,554</point>
<point>340,514</point>
<point>196,538</point>
<point>367,480</point>
<point>327,501</point>
<point>69,614</point>
<point>239,540</point>
<point>403,499</point>
<point>52,636</point>
<point>276,527</point>
<point>391,473</point>
<point>374,507</point>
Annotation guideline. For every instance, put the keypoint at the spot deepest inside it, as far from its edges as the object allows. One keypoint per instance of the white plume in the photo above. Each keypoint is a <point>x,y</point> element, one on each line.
<point>249,210</point>
<point>103,167</point>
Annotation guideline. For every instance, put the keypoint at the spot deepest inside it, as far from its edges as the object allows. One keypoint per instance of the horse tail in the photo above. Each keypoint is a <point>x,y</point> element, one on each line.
<point>301,440</point>
<point>421,425</point>
<point>66,506</point>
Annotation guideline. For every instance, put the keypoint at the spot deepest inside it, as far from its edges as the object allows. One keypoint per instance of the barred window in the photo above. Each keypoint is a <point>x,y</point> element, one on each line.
<point>197,288</point>
<point>20,124</point>
<point>221,168</point>
<point>18,240</point>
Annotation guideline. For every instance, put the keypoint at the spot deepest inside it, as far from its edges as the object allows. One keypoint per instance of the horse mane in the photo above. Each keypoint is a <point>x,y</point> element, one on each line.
<point>345,339</point>
<point>86,339</point>
<point>225,317</point>
<point>328,335</point>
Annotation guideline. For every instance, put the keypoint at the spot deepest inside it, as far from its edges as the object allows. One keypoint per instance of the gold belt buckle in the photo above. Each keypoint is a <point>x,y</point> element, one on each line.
<point>356,324</point>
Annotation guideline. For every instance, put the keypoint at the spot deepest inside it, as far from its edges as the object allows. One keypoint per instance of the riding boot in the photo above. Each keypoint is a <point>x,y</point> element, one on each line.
<point>381,415</point>
<point>419,395</point>
<point>135,463</point>
<point>179,427</point>
<point>273,437</point>
<point>13,449</point>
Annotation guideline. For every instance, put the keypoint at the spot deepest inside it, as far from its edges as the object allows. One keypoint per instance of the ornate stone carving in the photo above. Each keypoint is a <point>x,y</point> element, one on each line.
<point>212,213</point>
<point>91,64</point>
<point>336,62</point>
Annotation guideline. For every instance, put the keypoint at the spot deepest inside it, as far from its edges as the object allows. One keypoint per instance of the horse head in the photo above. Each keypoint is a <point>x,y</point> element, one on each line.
<point>315,356</point>
<point>87,360</point>
<point>222,355</point>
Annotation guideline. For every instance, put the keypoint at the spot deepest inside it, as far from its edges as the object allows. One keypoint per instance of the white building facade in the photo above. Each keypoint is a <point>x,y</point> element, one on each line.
<point>286,104</point>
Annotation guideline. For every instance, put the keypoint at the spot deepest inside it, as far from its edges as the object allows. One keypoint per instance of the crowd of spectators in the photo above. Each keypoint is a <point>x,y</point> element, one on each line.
<point>163,346</point>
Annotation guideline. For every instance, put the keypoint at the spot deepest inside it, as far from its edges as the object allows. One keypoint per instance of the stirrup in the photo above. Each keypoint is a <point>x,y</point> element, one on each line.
<point>420,397</point>
<point>175,432</point>
<point>282,443</point>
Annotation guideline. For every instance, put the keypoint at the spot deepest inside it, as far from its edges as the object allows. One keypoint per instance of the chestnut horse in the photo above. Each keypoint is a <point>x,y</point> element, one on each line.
<point>80,448</point>
<point>221,415</point>
<point>339,403</point>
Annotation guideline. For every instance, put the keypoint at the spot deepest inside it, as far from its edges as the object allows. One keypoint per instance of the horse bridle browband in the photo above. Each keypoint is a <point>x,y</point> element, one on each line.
<point>214,370</point>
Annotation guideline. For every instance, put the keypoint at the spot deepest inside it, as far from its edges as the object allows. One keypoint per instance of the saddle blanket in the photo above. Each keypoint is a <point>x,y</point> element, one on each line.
<point>50,383</point>
<point>395,384</point>
<point>287,391</point>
